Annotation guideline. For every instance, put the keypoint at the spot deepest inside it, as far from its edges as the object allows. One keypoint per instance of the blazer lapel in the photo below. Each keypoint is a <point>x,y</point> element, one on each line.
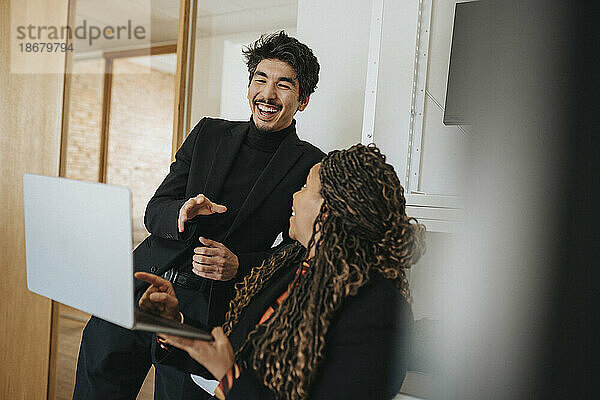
<point>284,158</point>
<point>223,159</point>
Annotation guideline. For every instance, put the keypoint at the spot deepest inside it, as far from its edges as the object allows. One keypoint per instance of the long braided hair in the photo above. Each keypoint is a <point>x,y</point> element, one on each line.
<point>362,229</point>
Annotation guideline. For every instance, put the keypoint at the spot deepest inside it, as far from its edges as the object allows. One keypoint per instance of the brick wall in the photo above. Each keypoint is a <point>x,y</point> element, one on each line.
<point>140,130</point>
<point>85,115</point>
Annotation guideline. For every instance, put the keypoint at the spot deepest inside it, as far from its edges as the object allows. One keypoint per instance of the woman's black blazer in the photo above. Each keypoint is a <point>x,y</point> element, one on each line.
<point>366,352</point>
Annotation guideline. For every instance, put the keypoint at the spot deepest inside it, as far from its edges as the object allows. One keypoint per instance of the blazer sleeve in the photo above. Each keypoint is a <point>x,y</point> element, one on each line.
<point>367,351</point>
<point>247,387</point>
<point>366,356</point>
<point>163,208</point>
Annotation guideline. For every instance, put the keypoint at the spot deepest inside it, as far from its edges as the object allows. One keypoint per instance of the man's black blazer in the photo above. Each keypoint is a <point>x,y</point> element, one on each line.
<point>201,166</point>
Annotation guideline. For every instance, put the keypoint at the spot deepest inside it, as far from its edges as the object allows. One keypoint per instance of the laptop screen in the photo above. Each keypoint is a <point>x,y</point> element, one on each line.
<point>79,245</point>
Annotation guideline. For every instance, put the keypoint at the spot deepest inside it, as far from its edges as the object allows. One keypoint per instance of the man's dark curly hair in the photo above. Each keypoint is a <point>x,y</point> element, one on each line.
<point>282,47</point>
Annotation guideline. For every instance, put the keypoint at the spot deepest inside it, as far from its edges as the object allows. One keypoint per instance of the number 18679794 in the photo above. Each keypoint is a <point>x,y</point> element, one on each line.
<point>48,47</point>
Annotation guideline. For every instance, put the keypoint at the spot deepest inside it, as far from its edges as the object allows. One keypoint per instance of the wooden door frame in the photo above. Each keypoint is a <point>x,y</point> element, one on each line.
<point>109,58</point>
<point>62,167</point>
<point>184,77</point>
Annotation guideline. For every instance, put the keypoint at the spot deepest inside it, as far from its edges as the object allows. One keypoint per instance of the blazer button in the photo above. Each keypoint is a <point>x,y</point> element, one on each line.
<point>153,269</point>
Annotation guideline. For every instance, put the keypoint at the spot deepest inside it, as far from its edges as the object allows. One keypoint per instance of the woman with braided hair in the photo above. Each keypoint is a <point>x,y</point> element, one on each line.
<point>328,317</point>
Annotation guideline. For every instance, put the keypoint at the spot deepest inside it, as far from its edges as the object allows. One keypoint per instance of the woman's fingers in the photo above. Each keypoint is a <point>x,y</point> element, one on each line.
<point>219,335</point>
<point>158,284</point>
<point>197,349</point>
<point>159,297</point>
<point>217,356</point>
<point>163,298</point>
<point>151,279</point>
<point>177,341</point>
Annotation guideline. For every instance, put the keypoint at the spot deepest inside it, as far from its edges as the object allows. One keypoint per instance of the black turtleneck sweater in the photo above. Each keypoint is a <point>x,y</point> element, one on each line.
<point>255,153</point>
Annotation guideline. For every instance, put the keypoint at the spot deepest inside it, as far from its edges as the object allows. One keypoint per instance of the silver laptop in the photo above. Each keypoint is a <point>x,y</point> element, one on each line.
<point>79,251</point>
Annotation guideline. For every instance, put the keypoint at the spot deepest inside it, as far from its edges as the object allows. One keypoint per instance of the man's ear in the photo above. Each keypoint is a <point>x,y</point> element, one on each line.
<point>303,103</point>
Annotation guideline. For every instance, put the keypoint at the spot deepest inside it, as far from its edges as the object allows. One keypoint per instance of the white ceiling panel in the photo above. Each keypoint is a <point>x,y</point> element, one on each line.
<point>162,16</point>
<point>109,11</point>
<point>211,7</point>
<point>248,20</point>
<point>166,8</point>
<point>257,4</point>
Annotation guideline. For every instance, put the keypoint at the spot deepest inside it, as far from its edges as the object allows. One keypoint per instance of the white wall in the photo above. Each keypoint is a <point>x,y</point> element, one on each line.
<point>234,84</point>
<point>431,275</point>
<point>395,80</point>
<point>208,72</point>
<point>339,36</point>
<point>443,147</point>
<point>338,33</point>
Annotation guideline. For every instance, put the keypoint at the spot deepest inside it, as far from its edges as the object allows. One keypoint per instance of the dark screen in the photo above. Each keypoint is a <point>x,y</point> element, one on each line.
<point>467,29</point>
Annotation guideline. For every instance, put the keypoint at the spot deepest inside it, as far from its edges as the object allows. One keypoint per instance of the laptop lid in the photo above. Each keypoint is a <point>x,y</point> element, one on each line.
<point>79,245</point>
